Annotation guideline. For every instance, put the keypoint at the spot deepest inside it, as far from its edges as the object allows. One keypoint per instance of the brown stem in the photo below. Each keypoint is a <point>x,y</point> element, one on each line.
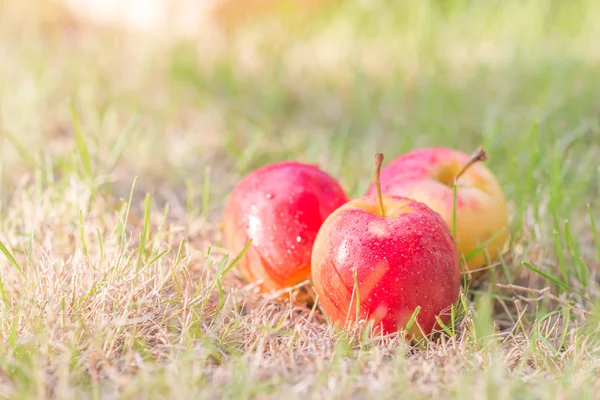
<point>479,155</point>
<point>376,174</point>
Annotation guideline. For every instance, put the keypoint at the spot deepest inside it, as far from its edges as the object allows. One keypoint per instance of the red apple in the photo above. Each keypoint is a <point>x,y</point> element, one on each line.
<point>428,175</point>
<point>281,208</point>
<point>397,252</point>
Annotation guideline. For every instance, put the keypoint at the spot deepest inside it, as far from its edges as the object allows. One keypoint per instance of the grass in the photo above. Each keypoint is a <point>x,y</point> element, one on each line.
<point>118,151</point>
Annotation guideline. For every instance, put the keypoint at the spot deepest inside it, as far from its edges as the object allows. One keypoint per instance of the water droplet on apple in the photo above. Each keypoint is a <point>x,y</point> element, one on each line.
<point>298,239</point>
<point>253,207</point>
<point>269,195</point>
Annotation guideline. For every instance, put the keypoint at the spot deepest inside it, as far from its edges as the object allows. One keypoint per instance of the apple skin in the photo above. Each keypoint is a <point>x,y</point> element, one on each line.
<point>427,175</point>
<point>280,207</point>
<point>403,260</point>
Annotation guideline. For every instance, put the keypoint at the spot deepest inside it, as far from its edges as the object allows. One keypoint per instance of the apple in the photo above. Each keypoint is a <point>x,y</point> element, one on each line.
<point>395,255</point>
<point>428,175</point>
<point>280,207</point>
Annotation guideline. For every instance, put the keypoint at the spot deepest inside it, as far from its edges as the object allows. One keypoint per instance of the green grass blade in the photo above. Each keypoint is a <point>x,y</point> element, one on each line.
<point>179,255</point>
<point>83,241</point>
<point>559,254</point>
<point>237,259</point>
<point>566,317</point>
<point>158,256</point>
<point>551,277</point>
<point>124,226</point>
<point>81,143</point>
<point>582,269</point>
<point>147,211</point>
<point>506,270</point>
<point>145,235</point>
<point>10,257</point>
<point>366,332</point>
<point>412,319</point>
<point>463,302</point>
<point>594,230</point>
<point>444,327</point>
<point>120,144</point>
<point>93,290</point>
<point>453,319</point>
<point>482,247</point>
<point>554,279</point>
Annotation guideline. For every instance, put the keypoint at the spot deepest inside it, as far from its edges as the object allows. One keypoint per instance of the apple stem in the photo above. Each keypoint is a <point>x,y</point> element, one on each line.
<point>479,155</point>
<point>377,173</point>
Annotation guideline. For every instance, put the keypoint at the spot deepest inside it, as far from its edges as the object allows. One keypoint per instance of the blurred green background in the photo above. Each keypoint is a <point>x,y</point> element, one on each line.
<point>328,85</point>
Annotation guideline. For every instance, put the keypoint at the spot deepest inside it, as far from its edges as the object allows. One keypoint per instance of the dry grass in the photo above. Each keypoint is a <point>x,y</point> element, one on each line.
<point>114,286</point>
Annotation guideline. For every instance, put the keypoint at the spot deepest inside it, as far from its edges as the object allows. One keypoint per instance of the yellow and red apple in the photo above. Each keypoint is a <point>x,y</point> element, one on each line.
<point>394,254</point>
<point>428,175</point>
<point>281,208</point>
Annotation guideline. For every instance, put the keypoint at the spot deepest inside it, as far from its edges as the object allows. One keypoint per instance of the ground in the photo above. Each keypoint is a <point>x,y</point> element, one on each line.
<point>119,149</point>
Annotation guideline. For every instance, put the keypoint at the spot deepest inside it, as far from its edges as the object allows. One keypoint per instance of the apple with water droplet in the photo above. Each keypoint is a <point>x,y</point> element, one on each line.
<point>428,175</point>
<point>382,257</point>
<point>280,207</point>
